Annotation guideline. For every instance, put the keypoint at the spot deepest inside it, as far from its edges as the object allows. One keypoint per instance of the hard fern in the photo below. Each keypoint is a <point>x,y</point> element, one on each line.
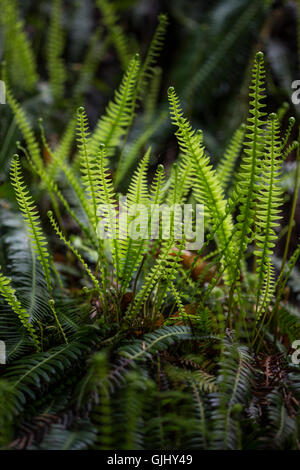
<point>234,385</point>
<point>247,188</point>
<point>118,115</point>
<point>207,187</point>
<point>147,70</point>
<point>88,165</point>
<point>55,47</point>
<point>18,53</point>
<point>226,166</point>
<point>31,218</point>
<point>24,125</point>
<point>115,31</point>
<point>132,249</point>
<point>269,201</point>
<point>9,293</point>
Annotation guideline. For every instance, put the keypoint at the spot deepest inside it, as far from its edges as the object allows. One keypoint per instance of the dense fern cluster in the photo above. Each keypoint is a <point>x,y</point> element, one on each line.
<point>134,342</point>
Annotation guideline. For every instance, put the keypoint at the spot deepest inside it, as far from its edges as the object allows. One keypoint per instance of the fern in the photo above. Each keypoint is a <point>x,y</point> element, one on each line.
<point>226,165</point>
<point>88,164</point>
<point>30,376</point>
<point>113,125</point>
<point>207,187</point>
<point>250,167</point>
<point>7,405</point>
<point>31,218</point>
<point>234,385</point>
<point>55,47</point>
<point>269,200</point>
<point>116,32</point>
<point>24,126</point>
<point>74,251</point>
<point>18,52</point>
<point>147,69</point>
<point>158,340</point>
<point>106,199</point>
<point>132,250</point>
<point>9,293</point>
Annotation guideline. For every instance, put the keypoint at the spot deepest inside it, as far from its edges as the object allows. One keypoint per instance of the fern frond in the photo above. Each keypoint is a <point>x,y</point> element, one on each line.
<point>118,115</point>
<point>132,150</point>
<point>147,69</point>
<point>226,165</point>
<point>7,405</point>
<point>115,31</point>
<point>162,268</point>
<point>267,210</point>
<point>25,127</point>
<point>55,48</point>
<point>90,176</point>
<point>207,187</point>
<point>150,101</point>
<point>74,251</point>
<point>60,155</point>
<point>9,293</point>
<point>106,199</point>
<point>250,167</point>
<point>31,218</point>
<point>93,57</point>
<point>156,193</point>
<point>214,63</point>
<point>18,52</point>
<point>234,385</point>
<point>282,426</point>
<point>81,437</point>
<point>32,375</point>
<point>131,249</point>
<point>158,340</point>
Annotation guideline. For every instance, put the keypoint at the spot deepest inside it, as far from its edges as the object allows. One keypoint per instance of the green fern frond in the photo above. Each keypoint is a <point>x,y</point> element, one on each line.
<point>158,340</point>
<point>55,48</point>
<point>24,126</point>
<point>9,293</point>
<point>74,251</point>
<point>107,201</point>
<point>60,154</point>
<point>247,189</point>
<point>288,132</point>
<point>282,426</point>
<point>32,375</point>
<point>234,386</point>
<point>162,267</point>
<point>156,193</point>
<point>115,31</point>
<point>226,165</point>
<point>132,150</point>
<point>118,115</point>
<point>131,249</point>
<point>7,405</point>
<point>81,437</point>
<point>31,218</point>
<point>267,210</point>
<point>289,321</point>
<point>214,63</point>
<point>93,57</point>
<point>150,101</point>
<point>18,52</point>
<point>207,188</point>
<point>89,170</point>
<point>147,69</point>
